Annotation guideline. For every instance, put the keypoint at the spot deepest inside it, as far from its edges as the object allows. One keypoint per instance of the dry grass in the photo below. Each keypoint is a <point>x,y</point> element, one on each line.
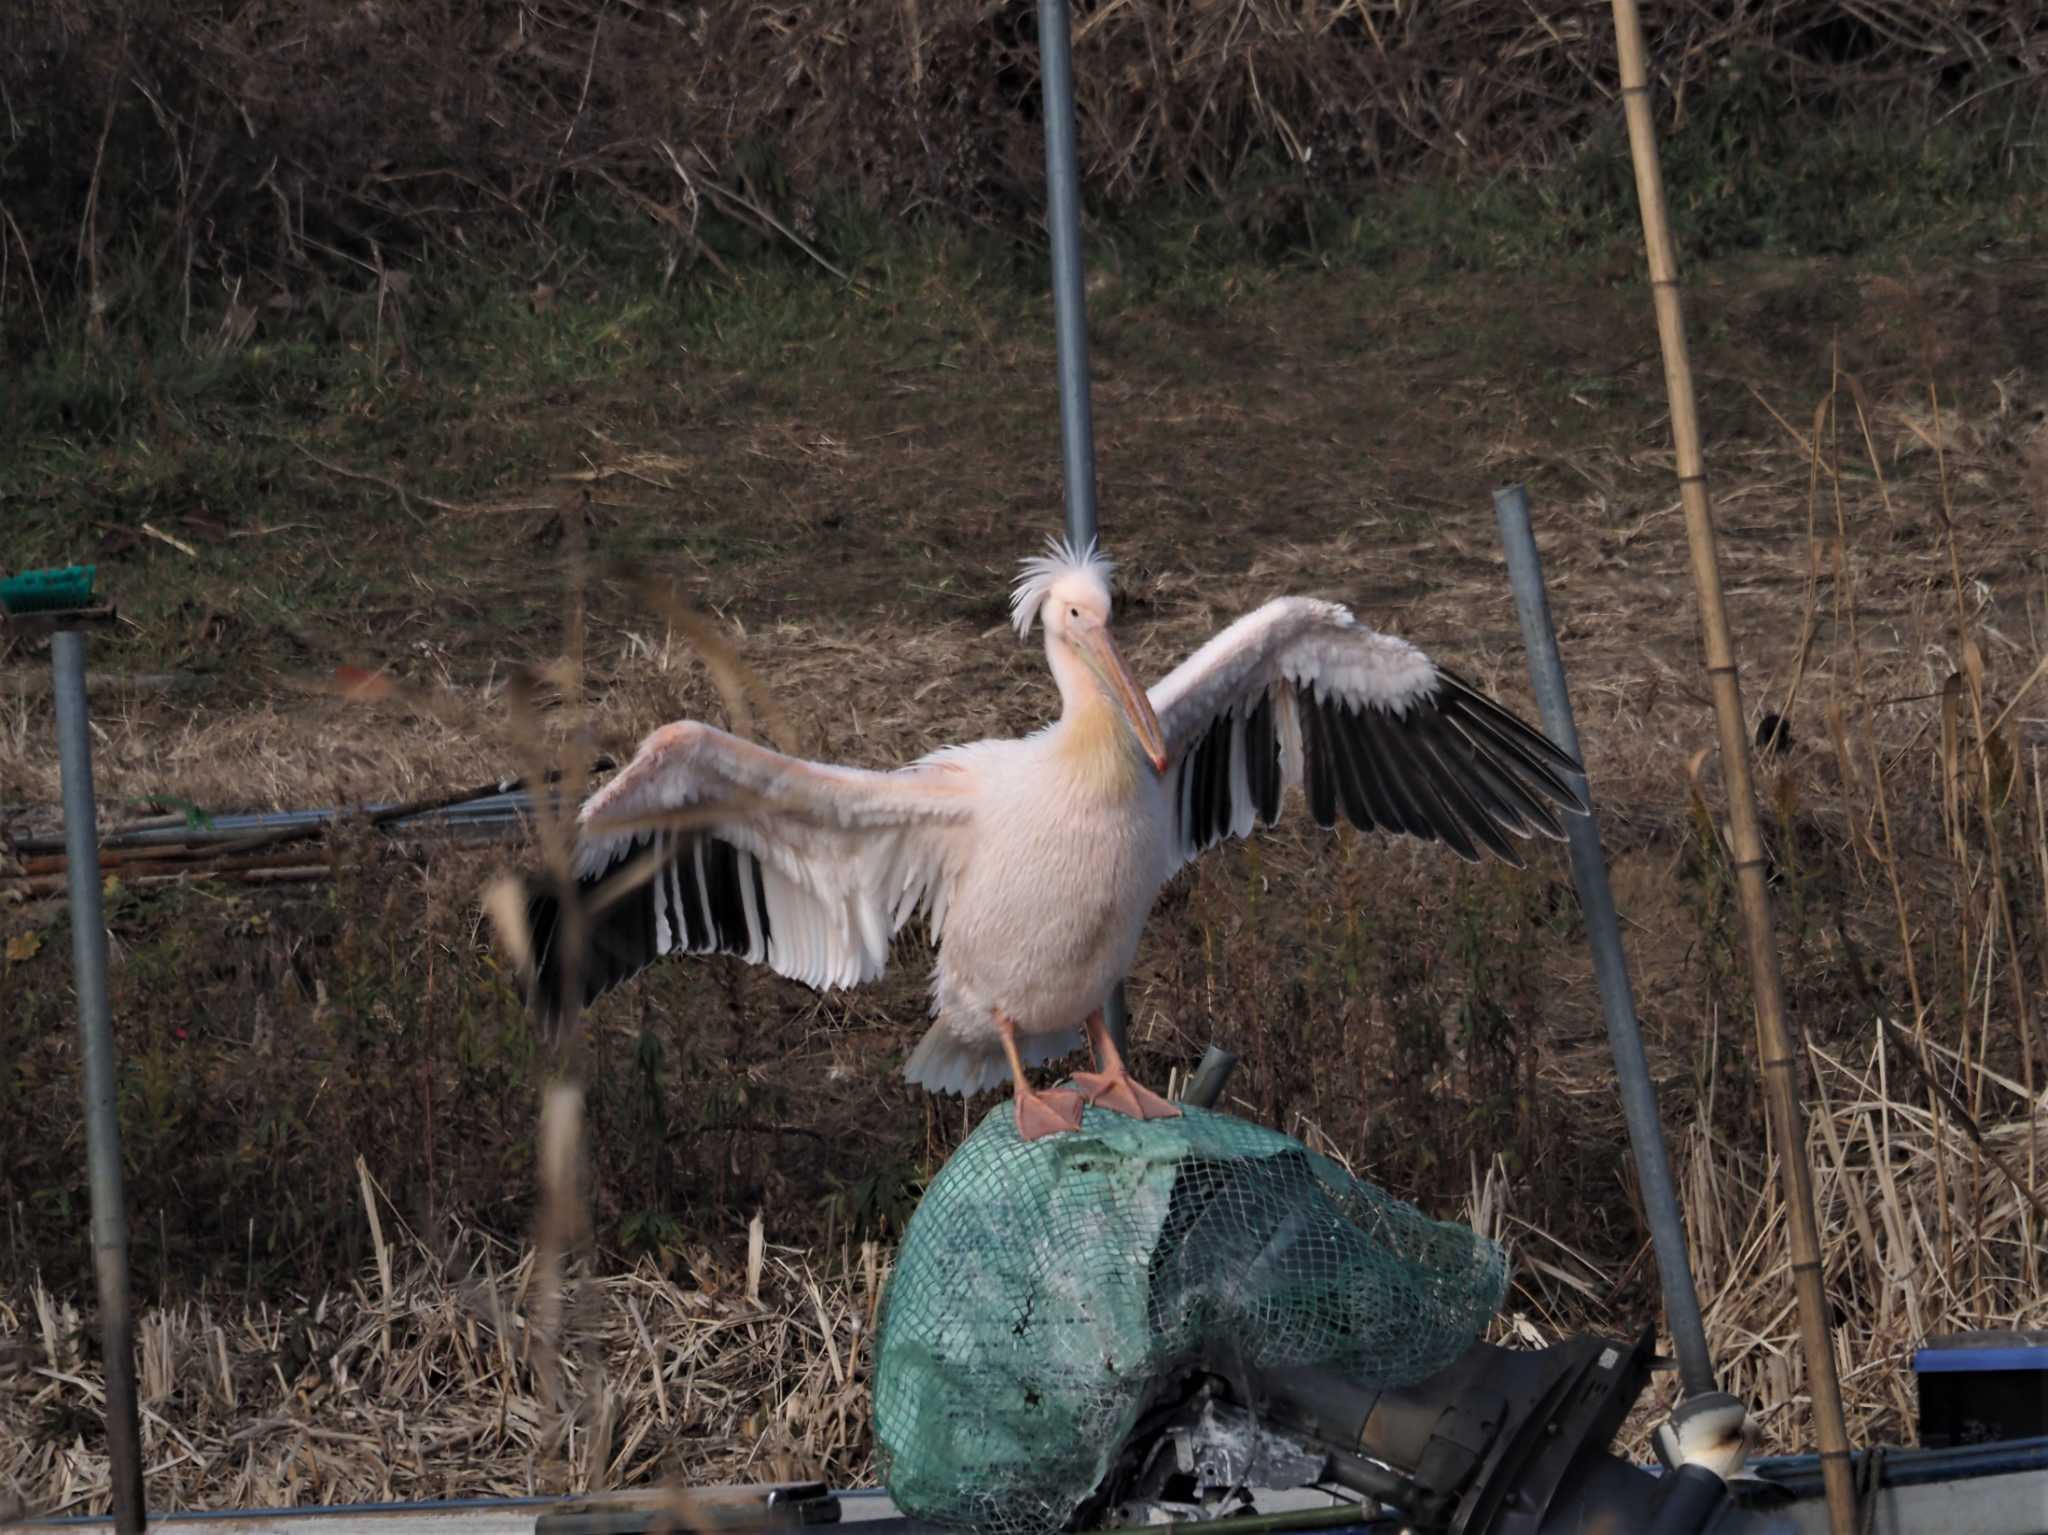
<point>431,1377</point>
<point>1919,1237</point>
<point>379,137</point>
<point>877,687</point>
<point>424,1379</point>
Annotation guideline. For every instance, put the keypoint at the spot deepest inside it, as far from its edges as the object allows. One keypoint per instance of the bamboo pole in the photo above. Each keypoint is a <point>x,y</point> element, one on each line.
<point>1774,1039</point>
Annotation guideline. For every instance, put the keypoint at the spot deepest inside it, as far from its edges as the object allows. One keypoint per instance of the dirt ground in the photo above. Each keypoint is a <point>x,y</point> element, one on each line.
<point>859,476</point>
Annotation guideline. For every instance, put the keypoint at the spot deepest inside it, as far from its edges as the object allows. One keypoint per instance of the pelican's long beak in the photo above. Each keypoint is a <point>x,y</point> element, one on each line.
<point>1108,663</point>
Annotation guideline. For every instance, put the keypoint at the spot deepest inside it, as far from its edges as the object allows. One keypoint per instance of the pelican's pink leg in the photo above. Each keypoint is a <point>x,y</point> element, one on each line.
<point>1113,1087</point>
<point>1038,1114</point>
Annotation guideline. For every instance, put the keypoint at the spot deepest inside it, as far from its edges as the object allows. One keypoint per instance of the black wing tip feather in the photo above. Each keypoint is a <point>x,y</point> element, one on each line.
<point>1262,759</point>
<point>1432,793</point>
<point>1455,768</point>
<point>1463,791</point>
<point>624,937</point>
<point>1506,800</point>
<point>1388,796</point>
<point>614,943</point>
<point>1318,767</point>
<point>545,939</point>
<point>543,930</point>
<point>1554,771</point>
<point>1459,696</point>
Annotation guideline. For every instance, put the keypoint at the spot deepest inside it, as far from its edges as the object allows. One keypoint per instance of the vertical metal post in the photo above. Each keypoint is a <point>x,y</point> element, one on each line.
<point>1070,311</point>
<point>1610,965</point>
<point>1206,1086</point>
<point>1069,295</point>
<point>96,1038</point>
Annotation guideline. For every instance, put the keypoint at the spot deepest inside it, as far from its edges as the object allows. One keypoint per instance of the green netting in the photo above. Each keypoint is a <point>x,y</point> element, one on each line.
<point>1044,1286</point>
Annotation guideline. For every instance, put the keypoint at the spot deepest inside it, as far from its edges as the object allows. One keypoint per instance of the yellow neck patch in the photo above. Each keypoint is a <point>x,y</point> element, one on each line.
<point>1095,746</point>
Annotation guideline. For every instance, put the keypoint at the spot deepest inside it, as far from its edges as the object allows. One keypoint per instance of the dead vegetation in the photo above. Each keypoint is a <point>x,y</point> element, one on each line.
<point>214,172</point>
<point>424,1378</point>
<point>1920,1234</point>
<point>1434,1024</point>
<point>430,1379</point>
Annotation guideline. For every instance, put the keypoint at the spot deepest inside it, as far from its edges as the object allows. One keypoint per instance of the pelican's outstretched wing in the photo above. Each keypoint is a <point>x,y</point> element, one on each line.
<point>804,867</point>
<point>1300,693</point>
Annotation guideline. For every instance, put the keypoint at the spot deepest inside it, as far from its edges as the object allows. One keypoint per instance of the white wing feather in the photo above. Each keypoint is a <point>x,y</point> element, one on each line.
<point>1293,639</point>
<point>845,856</point>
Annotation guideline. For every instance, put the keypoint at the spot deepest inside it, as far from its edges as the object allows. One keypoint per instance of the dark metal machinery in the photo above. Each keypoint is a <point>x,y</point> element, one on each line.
<point>1502,1442</point>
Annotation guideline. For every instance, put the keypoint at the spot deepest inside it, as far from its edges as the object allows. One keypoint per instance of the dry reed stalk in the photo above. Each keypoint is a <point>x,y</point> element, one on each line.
<point>1962,879</point>
<point>1988,747</point>
<point>1775,1051</point>
<point>563,1222</point>
<point>1888,854</point>
<point>1888,1270</point>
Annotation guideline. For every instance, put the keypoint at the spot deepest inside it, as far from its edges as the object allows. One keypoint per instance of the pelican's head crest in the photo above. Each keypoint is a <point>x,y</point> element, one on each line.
<point>1059,564</point>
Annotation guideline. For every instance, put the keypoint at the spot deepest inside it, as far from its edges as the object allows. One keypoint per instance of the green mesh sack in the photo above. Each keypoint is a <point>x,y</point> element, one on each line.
<point>1043,1288</point>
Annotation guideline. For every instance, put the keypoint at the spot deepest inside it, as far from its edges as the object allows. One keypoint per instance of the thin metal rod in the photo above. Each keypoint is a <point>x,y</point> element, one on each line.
<point>1070,317</point>
<point>1610,964</point>
<point>1069,296</point>
<point>96,1039</point>
<point>1774,1036</point>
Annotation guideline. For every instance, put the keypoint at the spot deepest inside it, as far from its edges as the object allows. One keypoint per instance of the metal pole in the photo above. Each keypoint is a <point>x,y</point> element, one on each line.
<point>1206,1086</point>
<point>1610,965</point>
<point>1070,313</point>
<point>1069,297</point>
<point>96,1038</point>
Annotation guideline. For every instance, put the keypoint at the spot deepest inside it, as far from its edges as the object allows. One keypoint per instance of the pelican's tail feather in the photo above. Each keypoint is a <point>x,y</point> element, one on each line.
<point>943,1062</point>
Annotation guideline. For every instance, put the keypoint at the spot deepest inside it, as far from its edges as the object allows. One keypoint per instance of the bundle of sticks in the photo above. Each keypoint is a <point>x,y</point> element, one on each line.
<point>270,847</point>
